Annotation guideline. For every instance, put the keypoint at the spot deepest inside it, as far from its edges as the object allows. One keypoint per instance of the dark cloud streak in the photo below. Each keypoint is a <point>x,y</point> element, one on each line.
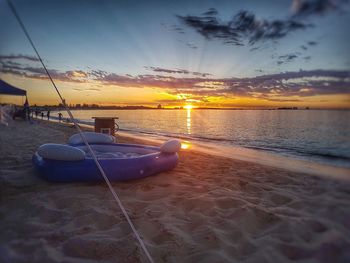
<point>243,27</point>
<point>312,43</point>
<point>286,58</point>
<point>304,8</point>
<point>19,56</point>
<point>178,71</point>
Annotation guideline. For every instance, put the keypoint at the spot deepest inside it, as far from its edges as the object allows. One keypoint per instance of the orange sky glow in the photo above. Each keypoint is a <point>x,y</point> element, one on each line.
<point>41,92</point>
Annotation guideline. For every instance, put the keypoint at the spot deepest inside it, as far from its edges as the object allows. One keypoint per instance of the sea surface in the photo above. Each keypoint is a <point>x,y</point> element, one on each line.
<point>316,135</point>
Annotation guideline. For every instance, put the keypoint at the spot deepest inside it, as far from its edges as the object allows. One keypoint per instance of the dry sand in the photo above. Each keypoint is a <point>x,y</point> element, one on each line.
<point>209,209</point>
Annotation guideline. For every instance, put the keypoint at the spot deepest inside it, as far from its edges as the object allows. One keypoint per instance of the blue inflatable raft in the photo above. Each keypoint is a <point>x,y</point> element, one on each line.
<point>121,162</point>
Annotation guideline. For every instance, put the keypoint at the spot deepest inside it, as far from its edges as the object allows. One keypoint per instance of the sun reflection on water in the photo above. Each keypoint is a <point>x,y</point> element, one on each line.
<point>188,120</point>
<point>185,145</point>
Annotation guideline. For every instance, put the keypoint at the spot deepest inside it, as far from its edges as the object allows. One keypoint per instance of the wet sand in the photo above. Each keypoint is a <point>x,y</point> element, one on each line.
<point>208,209</point>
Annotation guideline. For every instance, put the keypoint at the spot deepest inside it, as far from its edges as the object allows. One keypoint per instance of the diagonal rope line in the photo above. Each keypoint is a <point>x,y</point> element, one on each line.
<point>115,195</point>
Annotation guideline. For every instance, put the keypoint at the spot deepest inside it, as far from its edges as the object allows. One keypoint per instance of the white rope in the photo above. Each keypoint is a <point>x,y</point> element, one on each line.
<point>116,197</point>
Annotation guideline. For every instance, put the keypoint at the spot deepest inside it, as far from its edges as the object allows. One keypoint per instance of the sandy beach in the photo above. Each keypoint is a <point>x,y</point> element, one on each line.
<point>209,209</point>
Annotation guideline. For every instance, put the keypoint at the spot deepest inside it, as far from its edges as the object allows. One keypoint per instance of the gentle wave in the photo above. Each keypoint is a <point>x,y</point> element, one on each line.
<point>292,152</point>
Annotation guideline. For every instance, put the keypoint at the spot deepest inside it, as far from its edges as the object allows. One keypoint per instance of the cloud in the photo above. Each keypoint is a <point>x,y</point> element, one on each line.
<point>98,73</point>
<point>177,71</point>
<point>172,101</point>
<point>269,87</point>
<point>312,43</point>
<point>171,71</point>
<point>19,56</point>
<point>175,28</point>
<point>286,58</point>
<point>243,27</point>
<point>303,8</point>
<point>272,87</point>
<point>76,74</point>
<point>285,100</point>
<point>32,72</point>
<point>254,48</point>
<point>88,89</point>
<point>210,12</point>
<point>22,65</point>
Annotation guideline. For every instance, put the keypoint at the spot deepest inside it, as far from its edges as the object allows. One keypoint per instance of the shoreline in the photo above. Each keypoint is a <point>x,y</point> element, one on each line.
<point>263,158</point>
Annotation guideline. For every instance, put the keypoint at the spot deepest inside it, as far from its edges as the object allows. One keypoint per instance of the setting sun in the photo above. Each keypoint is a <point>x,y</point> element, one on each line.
<point>188,107</point>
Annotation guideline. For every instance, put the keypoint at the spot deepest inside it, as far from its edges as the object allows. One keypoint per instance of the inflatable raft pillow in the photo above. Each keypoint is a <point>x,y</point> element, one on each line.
<point>91,137</point>
<point>61,152</point>
<point>171,146</point>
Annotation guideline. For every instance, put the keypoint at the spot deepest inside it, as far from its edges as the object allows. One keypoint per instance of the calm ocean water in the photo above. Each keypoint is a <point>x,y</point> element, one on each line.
<point>316,135</point>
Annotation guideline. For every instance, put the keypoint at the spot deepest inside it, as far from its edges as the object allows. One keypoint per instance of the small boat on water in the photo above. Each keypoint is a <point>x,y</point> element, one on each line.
<point>73,162</point>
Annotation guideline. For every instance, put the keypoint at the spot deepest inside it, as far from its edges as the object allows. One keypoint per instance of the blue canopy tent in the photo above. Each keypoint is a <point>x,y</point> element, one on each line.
<point>7,89</point>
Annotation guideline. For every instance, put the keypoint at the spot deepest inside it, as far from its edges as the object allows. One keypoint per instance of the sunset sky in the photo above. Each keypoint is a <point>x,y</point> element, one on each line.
<point>245,54</point>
